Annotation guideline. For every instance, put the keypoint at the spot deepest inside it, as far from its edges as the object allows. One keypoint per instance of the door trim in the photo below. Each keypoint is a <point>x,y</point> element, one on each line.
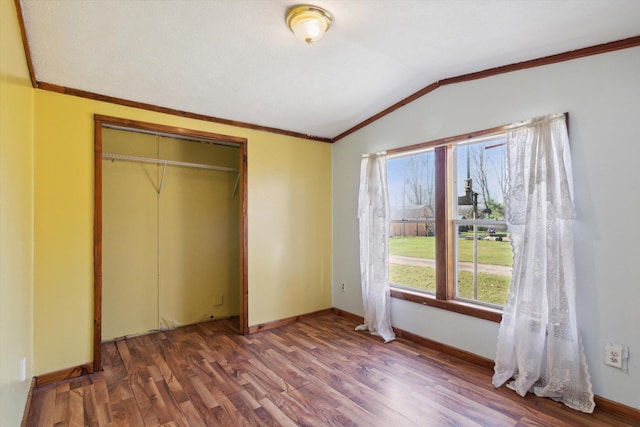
<point>101,121</point>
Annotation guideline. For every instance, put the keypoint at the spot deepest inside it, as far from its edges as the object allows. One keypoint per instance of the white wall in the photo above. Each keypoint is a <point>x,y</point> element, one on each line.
<point>602,95</point>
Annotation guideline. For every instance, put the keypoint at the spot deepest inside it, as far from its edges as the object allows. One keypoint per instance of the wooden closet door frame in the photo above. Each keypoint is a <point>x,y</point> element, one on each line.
<point>99,122</point>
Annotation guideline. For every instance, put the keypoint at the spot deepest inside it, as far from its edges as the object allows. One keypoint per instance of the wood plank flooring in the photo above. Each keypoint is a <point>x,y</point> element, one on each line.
<point>319,372</point>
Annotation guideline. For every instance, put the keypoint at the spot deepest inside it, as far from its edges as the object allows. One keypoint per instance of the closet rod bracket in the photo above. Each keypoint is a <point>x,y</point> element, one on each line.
<point>164,169</point>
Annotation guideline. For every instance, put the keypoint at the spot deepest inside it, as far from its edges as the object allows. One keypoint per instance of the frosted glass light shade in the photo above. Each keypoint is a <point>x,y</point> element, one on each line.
<point>308,23</point>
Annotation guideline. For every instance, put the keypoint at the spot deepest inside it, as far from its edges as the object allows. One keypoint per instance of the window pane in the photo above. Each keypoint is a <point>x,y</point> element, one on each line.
<point>480,173</point>
<point>486,256</point>
<point>411,183</point>
<point>483,251</point>
<point>412,261</point>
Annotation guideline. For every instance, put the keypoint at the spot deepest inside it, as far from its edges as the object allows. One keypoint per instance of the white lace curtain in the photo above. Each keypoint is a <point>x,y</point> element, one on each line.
<point>373,214</point>
<point>538,341</point>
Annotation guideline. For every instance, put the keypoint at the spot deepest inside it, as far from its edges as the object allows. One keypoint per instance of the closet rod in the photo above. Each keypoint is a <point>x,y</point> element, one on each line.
<point>122,157</point>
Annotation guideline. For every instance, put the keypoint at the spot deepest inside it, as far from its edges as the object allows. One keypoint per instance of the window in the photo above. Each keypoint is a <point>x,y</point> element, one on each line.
<point>412,248</point>
<point>448,239</point>
<point>483,254</point>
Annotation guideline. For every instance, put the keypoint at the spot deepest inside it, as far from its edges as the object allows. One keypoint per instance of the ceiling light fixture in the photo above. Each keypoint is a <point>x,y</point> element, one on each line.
<point>308,23</point>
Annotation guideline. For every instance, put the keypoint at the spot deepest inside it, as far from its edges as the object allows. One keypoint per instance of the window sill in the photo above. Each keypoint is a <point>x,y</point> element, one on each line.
<point>486,313</point>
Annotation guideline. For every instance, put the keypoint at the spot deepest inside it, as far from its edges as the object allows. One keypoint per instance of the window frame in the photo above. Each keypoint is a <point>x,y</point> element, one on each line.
<point>444,297</point>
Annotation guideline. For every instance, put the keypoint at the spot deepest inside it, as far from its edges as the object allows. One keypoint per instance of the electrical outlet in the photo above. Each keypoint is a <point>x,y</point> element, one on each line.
<point>613,355</point>
<point>343,286</point>
<point>616,355</point>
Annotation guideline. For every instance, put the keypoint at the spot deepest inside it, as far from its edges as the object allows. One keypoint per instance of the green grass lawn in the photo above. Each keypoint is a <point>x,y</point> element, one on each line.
<point>492,288</point>
<point>489,251</point>
<point>423,278</point>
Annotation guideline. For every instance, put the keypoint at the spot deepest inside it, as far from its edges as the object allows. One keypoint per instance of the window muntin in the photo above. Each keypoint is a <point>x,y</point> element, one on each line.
<point>475,254</point>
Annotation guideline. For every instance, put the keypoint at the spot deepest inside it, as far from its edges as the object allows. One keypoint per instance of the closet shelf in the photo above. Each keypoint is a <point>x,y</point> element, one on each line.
<point>124,158</point>
<point>164,163</point>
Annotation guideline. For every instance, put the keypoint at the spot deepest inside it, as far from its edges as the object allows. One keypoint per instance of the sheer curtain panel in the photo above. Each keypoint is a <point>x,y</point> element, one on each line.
<point>373,214</point>
<point>539,346</point>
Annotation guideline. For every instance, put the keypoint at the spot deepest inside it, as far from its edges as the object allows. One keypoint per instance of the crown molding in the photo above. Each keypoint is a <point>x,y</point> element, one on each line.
<point>547,60</point>
<point>538,62</point>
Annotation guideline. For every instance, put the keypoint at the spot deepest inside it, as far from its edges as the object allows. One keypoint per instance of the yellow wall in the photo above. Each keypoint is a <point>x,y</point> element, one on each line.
<point>129,236</point>
<point>289,230</point>
<point>199,235</point>
<point>289,215</point>
<point>166,257</point>
<point>16,220</point>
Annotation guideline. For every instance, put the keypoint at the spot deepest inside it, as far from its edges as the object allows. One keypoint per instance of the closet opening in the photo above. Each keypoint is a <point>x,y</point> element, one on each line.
<point>170,229</point>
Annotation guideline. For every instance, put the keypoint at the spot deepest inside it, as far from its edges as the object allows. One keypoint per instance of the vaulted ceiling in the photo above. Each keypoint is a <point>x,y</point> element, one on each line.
<point>236,60</point>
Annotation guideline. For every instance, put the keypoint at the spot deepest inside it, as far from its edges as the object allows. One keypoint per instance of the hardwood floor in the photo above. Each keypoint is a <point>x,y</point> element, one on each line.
<point>313,373</point>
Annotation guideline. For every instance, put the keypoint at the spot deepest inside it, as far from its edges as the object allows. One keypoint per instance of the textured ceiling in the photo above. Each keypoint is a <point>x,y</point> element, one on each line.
<point>236,60</point>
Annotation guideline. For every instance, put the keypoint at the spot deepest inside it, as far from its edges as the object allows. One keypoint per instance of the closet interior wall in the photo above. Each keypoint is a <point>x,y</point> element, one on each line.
<point>170,254</point>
